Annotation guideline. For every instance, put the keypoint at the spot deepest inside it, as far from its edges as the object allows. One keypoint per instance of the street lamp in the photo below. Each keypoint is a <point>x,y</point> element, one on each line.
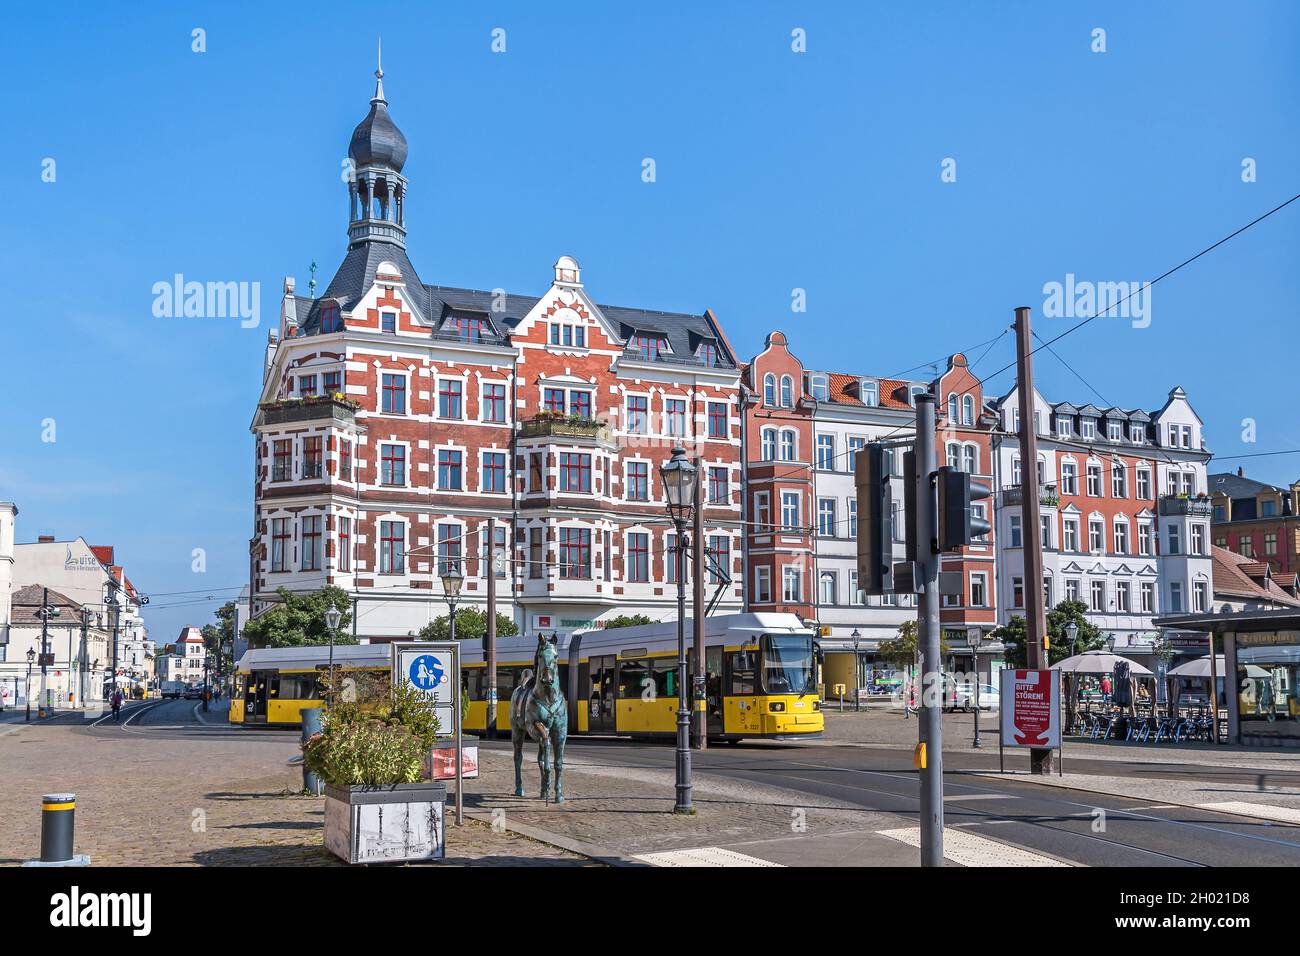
<point>976,636</point>
<point>857,672</point>
<point>451,582</point>
<point>678,476</point>
<point>1110,643</point>
<point>332,618</point>
<point>31,659</point>
<point>1072,635</point>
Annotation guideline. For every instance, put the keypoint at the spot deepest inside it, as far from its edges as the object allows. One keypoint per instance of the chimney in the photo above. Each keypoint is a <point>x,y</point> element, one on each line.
<point>45,539</point>
<point>1241,472</point>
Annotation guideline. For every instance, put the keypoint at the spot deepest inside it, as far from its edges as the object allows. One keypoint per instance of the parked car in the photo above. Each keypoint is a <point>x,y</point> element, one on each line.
<point>194,692</point>
<point>962,696</point>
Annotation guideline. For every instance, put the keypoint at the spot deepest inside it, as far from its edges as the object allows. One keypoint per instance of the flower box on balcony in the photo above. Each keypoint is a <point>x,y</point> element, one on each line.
<point>562,426</point>
<point>287,410</point>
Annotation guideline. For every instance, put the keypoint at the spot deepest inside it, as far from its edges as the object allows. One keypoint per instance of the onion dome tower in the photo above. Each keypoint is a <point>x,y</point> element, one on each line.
<point>376,187</point>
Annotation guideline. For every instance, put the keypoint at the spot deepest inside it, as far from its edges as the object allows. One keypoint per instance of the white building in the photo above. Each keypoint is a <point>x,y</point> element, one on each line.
<point>183,660</point>
<point>8,514</point>
<point>78,647</point>
<point>1124,509</point>
<point>88,576</point>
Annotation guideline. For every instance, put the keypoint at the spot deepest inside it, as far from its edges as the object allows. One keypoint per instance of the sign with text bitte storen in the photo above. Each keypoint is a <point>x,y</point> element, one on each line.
<point>1031,709</point>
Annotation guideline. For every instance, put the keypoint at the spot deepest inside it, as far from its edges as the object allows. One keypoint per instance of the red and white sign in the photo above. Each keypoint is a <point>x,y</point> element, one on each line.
<point>1031,709</point>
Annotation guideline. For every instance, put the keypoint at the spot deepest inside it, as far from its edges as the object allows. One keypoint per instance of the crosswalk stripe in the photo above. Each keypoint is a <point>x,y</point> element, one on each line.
<point>702,856</point>
<point>968,849</point>
<point>1264,810</point>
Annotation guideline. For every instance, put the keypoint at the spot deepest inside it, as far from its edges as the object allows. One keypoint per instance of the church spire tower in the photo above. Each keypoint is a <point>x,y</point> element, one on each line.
<point>377,190</point>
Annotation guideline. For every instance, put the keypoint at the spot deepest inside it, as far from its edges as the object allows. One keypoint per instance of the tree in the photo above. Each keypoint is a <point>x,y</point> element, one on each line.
<point>901,652</point>
<point>298,620</point>
<point>1015,635</point>
<point>627,620</point>
<point>471,625</point>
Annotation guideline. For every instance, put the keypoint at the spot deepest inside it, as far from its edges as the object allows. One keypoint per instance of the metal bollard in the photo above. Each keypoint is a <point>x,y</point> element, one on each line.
<point>311,724</point>
<point>58,820</point>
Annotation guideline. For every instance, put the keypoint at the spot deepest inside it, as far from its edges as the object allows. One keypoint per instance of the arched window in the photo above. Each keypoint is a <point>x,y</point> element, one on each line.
<point>769,390</point>
<point>952,408</point>
<point>954,455</point>
<point>787,391</point>
<point>968,410</point>
<point>971,464</point>
<point>787,445</point>
<point>769,444</point>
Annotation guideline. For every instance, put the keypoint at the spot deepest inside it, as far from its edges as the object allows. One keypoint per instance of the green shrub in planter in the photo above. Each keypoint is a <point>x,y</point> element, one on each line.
<point>374,743</point>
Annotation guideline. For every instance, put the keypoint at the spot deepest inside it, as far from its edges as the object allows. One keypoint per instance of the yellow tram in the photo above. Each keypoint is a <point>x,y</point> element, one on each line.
<point>761,679</point>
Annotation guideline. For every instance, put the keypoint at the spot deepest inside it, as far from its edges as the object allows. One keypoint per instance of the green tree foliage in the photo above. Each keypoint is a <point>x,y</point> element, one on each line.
<point>901,652</point>
<point>471,625</point>
<point>627,620</point>
<point>298,620</point>
<point>1014,634</point>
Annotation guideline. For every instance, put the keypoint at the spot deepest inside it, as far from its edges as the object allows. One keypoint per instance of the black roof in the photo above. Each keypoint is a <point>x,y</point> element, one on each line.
<point>356,275</point>
<point>1237,486</point>
<point>377,141</point>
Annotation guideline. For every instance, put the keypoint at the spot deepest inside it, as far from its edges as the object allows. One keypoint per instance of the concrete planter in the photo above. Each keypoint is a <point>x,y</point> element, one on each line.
<point>444,759</point>
<point>388,824</point>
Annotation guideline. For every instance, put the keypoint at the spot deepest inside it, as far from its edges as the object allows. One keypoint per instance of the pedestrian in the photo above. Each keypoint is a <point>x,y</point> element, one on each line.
<point>1105,686</point>
<point>116,701</point>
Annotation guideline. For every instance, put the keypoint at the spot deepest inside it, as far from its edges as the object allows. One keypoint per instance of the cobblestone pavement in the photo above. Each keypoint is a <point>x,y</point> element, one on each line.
<point>162,790</point>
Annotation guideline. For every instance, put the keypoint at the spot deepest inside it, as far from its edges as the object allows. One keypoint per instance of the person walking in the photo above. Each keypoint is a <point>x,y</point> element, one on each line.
<point>1105,686</point>
<point>116,701</point>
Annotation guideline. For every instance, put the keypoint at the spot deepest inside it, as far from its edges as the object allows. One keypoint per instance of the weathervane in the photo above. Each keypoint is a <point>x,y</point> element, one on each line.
<point>312,284</point>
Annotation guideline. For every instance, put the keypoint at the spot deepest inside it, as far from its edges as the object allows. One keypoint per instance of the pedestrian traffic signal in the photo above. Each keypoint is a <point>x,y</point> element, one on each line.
<point>958,527</point>
<point>875,520</point>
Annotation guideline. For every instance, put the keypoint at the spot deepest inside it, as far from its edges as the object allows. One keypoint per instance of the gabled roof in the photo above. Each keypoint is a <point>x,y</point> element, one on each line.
<point>1237,576</point>
<point>1237,486</point>
<point>26,603</point>
<point>845,390</point>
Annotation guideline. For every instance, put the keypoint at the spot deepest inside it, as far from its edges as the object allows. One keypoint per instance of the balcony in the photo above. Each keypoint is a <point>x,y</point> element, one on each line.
<point>1011,497</point>
<point>314,408</point>
<point>562,426</point>
<point>1174,505</point>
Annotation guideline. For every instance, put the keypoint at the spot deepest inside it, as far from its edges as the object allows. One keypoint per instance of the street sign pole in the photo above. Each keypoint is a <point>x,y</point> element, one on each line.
<point>433,667</point>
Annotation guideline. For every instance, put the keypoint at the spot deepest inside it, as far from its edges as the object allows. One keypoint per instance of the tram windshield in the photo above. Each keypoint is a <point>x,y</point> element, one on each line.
<point>788,664</point>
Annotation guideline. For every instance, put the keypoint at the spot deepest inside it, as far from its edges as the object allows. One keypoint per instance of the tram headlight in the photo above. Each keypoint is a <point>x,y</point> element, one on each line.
<point>776,706</point>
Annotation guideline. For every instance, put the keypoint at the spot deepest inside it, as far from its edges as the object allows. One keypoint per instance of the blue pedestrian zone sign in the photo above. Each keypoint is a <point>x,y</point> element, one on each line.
<point>426,672</point>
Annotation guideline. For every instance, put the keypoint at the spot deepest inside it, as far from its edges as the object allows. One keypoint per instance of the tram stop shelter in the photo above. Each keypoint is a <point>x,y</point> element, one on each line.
<point>1261,663</point>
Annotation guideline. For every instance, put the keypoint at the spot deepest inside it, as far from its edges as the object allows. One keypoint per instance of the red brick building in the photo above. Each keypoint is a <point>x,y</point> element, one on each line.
<point>1257,520</point>
<point>397,418</point>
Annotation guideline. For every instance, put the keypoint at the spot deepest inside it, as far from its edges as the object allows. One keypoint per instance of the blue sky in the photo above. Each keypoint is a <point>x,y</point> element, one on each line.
<point>775,171</point>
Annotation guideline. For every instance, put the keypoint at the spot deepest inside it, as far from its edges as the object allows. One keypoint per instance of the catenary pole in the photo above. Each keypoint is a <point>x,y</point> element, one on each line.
<point>699,735</point>
<point>1040,758</point>
<point>491,637</point>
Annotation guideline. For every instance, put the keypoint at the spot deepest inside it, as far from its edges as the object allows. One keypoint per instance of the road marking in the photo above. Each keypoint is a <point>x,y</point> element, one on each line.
<point>980,796</point>
<point>971,850</point>
<point>1156,806</point>
<point>702,856</point>
<point>1262,810</point>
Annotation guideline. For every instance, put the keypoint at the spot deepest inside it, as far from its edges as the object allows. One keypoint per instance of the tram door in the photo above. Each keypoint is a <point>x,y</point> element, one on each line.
<point>713,687</point>
<point>256,693</point>
<point>600,697</point>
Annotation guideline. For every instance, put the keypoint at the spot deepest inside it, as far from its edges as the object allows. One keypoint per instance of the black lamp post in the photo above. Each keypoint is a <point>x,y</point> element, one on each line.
<point>976,637</point>
<point>678,476</point>
<point>451,582</point>
<point>332,618</point>
<point>207,686</point>
<point>31,659</point>
<point>1072,635</point>
<point>857,672</point>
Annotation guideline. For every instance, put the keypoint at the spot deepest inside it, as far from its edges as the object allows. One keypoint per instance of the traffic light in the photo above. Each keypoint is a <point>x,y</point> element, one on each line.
<point>875,521</point>
<point>957,526</point>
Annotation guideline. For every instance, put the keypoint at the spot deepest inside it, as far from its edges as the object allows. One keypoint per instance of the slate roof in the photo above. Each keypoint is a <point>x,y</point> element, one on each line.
<point>27,605</point>
<point>356,275</point>
<point>1237,486</point>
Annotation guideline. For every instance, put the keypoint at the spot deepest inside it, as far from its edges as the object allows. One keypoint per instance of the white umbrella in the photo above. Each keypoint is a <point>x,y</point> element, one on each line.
<point>1099,662</point>
<point>1201,668</point>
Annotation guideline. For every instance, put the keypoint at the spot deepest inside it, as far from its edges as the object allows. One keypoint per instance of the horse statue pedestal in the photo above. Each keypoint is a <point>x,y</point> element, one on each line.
<point>538,710</point>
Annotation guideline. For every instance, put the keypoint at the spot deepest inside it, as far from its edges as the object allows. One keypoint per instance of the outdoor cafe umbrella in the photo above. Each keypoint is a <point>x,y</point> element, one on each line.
<point>1099,662</point>
<point>1201,668</point>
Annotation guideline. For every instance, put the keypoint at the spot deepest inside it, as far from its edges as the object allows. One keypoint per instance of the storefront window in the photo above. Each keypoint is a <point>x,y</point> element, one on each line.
<point>1268,665</point>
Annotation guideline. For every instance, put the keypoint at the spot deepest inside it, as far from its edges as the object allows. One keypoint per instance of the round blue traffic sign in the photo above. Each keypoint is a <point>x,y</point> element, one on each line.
<point>426,672</point>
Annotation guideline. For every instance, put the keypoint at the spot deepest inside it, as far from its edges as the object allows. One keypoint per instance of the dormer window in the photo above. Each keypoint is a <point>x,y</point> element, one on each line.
<point>1137,434</point>
<point>648,346</point>
<point>707,353</point>
<point>1114,431</point>
<point>306,385</point>
<point>467,329</point>
<point>769,390</point>
<point>819,387</point>
<point>1063,427</point>
<point>870,393</point>
<point>1088,428</point>
<point>330,318</point>
<point>914,391</point>
<point>570,335</point>
<point>787,391</point>
<point>388,321</point>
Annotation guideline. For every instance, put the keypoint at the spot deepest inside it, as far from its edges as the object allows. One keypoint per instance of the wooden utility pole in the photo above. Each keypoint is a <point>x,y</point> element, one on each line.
<point>1031,528</point>
<point>490,639</point>
<point>699,732</point>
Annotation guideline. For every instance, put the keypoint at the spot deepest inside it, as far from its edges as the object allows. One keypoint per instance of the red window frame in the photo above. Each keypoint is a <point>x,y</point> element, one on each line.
<point>638,414</point>
<point>313,456</point>
<point>391,459</point>
<point>394,394</point>
<point>311,541</point>
<point>719,490</point>
<point>494,402</point>
<point>345,460</point>
<point>638,481</point>
<point>494,472</point>
<point>648,345</point>
<point>718,426</point>
<point>451,390</point>
<point>345,544</point>
<point>638,557</point>
<point>575,472</point>
<point>280,536</point>
<point>451,462</point>
<point>390,541</point>
<point>281,459</point>
<point>708,354</point>
<point>554,400</point>
<point>575,553</point>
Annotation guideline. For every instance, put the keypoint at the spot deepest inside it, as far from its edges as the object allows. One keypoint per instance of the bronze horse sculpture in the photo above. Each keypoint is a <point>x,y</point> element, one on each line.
<point>538,710</point>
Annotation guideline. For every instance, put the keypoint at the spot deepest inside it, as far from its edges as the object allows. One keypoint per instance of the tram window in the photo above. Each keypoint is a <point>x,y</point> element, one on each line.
<point>665,673</point>
<point>297,687</point>
<point>273,685</point>
<point>507,681</point>
<point>631,677</point>
<point>742,677</point>
<point>473,679</point>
